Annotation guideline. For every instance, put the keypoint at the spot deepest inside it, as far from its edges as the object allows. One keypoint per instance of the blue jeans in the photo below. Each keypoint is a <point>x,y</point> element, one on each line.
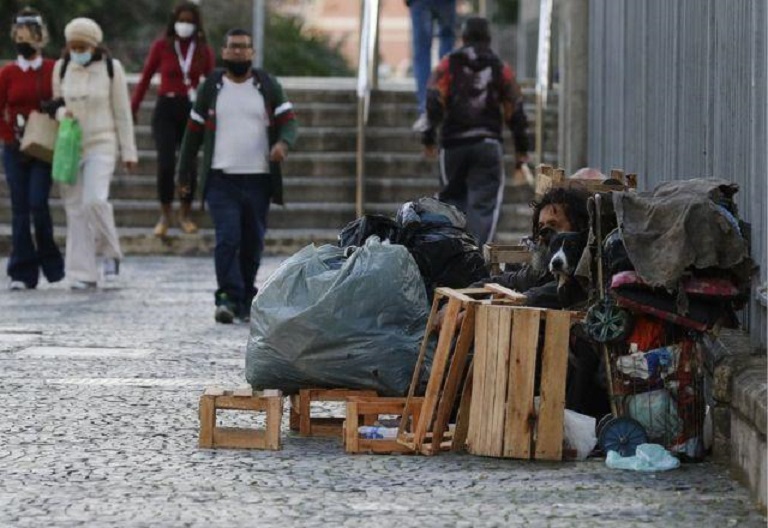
<point>424,14</point>
<point>239,204</point>
<point>29,181</point>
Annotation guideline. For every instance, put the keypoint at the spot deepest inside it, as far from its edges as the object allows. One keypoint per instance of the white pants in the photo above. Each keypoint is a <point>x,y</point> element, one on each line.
<point>91,227</point>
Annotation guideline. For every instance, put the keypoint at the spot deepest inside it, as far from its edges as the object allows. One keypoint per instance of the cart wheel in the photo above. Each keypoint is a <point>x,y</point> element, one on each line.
<point>622,435</point>
<point>602,423</point>
<point>607,323</point>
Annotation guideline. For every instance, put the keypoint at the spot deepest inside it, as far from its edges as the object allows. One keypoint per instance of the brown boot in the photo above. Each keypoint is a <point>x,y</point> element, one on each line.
<point>161,228</point>
<point>185,222</point>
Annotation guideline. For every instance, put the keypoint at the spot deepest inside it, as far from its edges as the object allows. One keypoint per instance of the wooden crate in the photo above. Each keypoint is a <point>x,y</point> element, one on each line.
<point>214,437</point>
<point>497,254</point>
<point>548,177</point>
<point>503,421</point>
<point>361,409</point>
<point>450,367</point>
<point>302,421</point>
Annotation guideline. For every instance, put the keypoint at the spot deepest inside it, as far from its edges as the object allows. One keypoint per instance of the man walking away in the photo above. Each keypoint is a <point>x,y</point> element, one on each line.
<point>246,125</point>
<point>471,94</point>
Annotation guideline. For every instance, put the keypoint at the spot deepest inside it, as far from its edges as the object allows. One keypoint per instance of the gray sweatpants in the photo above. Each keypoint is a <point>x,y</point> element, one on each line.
<point>472,177</point>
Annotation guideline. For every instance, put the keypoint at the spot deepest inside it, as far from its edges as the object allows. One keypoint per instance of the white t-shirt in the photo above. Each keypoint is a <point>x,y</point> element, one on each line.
<point>242,145</point>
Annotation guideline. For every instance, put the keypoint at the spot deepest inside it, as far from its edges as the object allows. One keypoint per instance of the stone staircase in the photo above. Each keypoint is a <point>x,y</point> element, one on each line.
<point>319,174</point>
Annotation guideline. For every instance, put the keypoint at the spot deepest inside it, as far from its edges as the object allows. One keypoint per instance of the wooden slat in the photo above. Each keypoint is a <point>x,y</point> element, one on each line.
<point>207,414</point>
<point>511,295</point>
<point>462,420</point>
<point>238,438</point>
<point>381,445</point>
<point>305,425</point>
<point>477,404</point>
<point>243,392</point>
<point>554,365</point>
<point>214,391</point>
<point>351,438</point>
<point>294,418</point>
<point>274,419</point>
<point>522,369</point>
<point>499,389</point>
<point>439,362</point>
<point>431,320</point>
<point>491,379</point>
<point>456,373</point>
<point>239,403</point>
<point>461,295</point>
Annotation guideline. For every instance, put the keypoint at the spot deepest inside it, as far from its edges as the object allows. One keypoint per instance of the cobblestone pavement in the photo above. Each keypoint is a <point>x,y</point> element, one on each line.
<point>108,437</point>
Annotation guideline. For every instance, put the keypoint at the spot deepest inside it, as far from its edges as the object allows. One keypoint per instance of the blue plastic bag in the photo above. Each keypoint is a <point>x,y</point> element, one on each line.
<point>648,457</point>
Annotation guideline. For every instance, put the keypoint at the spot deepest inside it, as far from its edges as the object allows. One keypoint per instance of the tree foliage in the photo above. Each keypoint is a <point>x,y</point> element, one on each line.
<point>131,26</point>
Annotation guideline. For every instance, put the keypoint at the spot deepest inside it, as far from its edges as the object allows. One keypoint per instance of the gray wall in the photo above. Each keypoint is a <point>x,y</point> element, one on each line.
<point>677,89</point>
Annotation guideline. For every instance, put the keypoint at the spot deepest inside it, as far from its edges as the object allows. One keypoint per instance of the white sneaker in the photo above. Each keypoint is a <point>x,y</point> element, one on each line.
<point>82,285</point>
<point>17,285</point>
<point>111,269</point>
<point>421,124</point>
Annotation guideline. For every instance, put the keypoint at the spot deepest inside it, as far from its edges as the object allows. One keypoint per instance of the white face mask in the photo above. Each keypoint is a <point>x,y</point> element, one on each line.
<point>184,29</point>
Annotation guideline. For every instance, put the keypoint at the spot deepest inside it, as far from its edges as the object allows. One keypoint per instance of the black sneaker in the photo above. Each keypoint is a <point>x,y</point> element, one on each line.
<point>224,314</point>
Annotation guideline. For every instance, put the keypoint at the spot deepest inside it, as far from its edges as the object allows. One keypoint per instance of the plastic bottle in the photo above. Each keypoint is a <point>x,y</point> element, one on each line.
<point>377,432</point>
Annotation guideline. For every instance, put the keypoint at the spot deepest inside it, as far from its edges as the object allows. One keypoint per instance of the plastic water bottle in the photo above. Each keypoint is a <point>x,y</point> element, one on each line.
<point>377,432</point>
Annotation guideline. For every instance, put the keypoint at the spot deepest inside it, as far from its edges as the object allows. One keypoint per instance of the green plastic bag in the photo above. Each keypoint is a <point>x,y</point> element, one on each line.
<point>66,153</point>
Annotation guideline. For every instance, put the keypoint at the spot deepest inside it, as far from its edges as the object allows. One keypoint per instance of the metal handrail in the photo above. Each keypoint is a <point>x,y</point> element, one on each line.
<point>367,80</point>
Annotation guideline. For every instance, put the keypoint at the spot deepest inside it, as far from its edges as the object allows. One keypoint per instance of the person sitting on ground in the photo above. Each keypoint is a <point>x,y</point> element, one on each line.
<point>560,210</point>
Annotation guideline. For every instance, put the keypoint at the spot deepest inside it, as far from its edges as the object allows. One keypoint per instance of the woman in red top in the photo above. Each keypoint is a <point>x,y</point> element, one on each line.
<point>182,57</point>
<point>24,85</point>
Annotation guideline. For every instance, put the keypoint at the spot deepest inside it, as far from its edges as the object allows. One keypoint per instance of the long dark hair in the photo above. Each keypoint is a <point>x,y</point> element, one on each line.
<point>189,7</point>
<point>199,36</point>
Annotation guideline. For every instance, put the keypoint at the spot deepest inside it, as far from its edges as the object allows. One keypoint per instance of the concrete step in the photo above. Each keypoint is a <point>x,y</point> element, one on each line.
<point>334,164</point>
<point>297,215</point>
<point>312,189</point>
<point>140,241</point>
<point>343,114</point>
<point>344,139</point>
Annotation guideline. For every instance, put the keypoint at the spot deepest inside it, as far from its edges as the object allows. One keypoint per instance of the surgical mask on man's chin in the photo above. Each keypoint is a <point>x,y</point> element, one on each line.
<point>81,58</point>
<point>237,68</point>
<point>184,29</point>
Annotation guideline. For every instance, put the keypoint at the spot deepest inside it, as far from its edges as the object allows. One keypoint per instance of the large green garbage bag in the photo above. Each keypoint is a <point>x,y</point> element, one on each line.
<point>323,320</point>
<point>66,153</point>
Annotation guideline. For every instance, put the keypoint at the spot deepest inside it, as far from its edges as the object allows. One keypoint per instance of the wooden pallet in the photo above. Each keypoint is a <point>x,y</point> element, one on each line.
<point>214,437</point>
<point>449,369</point>
<point>360,409</point>
<point>302,421</point>
<point>503,421</point>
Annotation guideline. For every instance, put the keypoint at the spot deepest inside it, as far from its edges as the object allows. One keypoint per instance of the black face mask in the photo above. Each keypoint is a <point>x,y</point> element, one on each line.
<point>237,68</point>
<point>26,50</point>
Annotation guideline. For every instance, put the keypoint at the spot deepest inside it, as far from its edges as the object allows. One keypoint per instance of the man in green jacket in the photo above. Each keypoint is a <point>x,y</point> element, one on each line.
<point>246,125</point>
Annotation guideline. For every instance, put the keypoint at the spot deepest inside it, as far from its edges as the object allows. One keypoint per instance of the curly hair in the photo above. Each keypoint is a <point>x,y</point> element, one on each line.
<point>573,199</point>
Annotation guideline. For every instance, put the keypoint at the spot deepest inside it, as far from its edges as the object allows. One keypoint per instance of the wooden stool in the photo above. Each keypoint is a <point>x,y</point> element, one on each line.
<point>360,409</point>
<point>302,421</point>
<point>214,437</point>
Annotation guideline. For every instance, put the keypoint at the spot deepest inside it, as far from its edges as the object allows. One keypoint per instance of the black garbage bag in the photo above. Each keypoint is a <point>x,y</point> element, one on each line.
<point>357,232</point>
<point>434,233</point>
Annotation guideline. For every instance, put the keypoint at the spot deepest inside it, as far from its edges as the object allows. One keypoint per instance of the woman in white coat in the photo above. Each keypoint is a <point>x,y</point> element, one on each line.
<point>91,87</point>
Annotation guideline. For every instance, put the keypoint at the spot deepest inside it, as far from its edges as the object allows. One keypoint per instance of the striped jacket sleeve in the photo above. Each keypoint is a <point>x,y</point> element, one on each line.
<point>193,136</point>
<point>285,118</point>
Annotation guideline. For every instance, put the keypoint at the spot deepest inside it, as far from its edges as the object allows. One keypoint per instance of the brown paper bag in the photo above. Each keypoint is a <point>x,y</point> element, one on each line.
<point>39,136</point>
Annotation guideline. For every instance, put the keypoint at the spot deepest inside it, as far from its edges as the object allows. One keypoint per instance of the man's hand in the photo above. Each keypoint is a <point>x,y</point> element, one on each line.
<point>184,191</point>
<point>129,165</point>
<point>522,157</point>
<point>430,151</point>
<point>279,152</point>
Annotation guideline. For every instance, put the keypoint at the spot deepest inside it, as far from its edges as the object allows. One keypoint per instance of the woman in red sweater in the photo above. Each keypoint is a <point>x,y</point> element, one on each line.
<point>182,57</point>
<point>24,85</point>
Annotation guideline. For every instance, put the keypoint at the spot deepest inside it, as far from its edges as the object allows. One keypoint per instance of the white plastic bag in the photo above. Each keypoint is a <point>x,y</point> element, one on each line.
<point>580,433</point>
<point>648,457</point>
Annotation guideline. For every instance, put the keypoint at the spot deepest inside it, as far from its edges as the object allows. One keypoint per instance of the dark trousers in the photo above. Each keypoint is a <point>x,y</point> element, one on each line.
<point>168,124</point>
<point>473,180</point>
<point>239,205</point>
<point>29,181</point>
